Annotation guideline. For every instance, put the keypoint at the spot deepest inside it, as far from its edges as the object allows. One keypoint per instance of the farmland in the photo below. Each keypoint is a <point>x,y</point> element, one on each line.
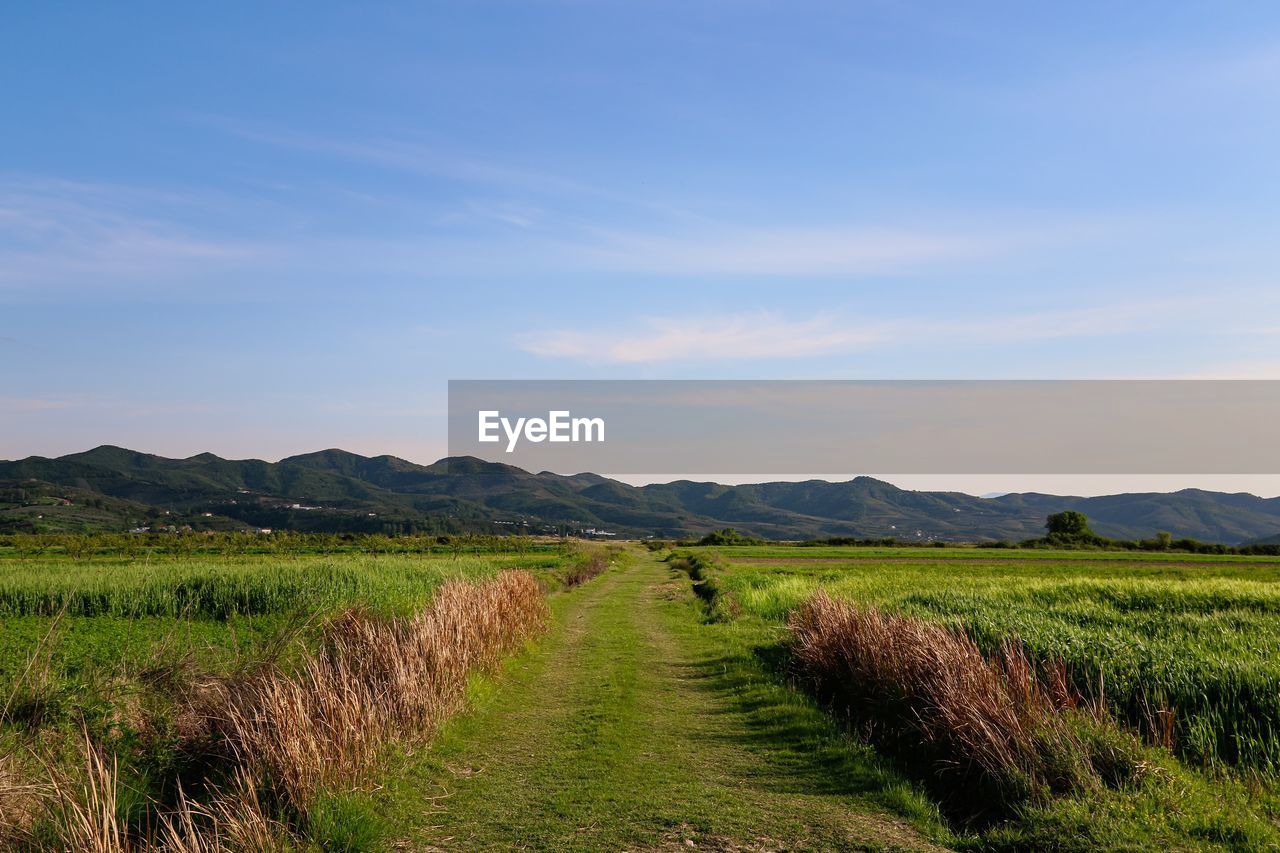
<point>1179,651</point>
<point>132,659</point>
<point>86,617</point>
<point>370,694</point>
<point>1199,636</point>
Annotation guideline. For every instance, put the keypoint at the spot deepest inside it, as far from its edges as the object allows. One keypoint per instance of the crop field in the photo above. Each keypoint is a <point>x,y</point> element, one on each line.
<point>1196,639</point>
<point>582,697</point>
<point>113,656</point>
<point>1182,651</point>
<point>86,617</point>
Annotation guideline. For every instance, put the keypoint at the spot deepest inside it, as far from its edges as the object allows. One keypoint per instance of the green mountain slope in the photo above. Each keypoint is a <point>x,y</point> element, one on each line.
<point>339,491</point>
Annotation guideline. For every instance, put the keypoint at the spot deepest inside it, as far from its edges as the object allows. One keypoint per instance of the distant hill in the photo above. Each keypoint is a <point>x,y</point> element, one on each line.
<point>111,488</point>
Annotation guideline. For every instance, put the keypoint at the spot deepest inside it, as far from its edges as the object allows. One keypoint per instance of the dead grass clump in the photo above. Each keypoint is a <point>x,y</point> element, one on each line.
<point>21,801</point>
<point>373,680</point>
<point>83,815</point>
<point>231,819</point>
<point>584,570</point>
<point>272,738</point>
<point>990,734</point>
<point>84,811</point>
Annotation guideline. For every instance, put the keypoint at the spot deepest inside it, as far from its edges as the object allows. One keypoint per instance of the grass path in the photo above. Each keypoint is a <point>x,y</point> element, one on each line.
<point>634,726</point>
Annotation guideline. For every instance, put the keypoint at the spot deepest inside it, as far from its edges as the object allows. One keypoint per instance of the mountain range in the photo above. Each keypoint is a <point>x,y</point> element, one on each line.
<point>111,488</point>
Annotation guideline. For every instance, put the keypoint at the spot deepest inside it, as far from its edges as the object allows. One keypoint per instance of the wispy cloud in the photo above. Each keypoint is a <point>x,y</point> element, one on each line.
<point>743,336</point>
<point>504,212</point>
<point>799,251</point>
<point>1257,67</point>
<point>31,404</point>
<point>1189,84</point>
<point>1261,369</point>
<point>764,335</point>
<point>532,240</point>
<point>113,406</point>
<point>61,231</point>
<point>407,155</point>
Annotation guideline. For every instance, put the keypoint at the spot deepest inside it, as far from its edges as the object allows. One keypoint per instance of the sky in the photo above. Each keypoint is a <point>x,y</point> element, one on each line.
<point>266,229</point>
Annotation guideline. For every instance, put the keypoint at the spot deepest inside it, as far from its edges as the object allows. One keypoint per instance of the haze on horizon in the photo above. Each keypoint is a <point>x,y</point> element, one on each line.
<point>262,231</point>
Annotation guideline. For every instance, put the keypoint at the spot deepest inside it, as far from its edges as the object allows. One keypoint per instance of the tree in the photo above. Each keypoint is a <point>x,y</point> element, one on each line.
<point>30,544</point>
<point>78,546</point>
<point>1068,523</point>
<point>729,536</point>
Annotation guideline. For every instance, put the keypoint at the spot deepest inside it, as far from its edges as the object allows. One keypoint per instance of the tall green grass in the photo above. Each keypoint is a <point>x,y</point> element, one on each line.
<point>221,588</point>
<point>75,635</point>
<point>1198,638</point>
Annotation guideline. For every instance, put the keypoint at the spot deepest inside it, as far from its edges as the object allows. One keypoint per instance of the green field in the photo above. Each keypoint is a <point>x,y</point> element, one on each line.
<point>89,622</point>
<point>661,709</point>
<point>1196,635</point>
<point>101,646</point>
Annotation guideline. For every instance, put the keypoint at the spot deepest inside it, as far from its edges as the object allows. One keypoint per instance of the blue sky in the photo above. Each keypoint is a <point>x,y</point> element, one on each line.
<point>262,229</point>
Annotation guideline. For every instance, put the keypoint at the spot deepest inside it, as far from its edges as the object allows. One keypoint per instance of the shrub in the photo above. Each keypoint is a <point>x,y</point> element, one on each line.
<point>590,566</point>
<point>729,536</point>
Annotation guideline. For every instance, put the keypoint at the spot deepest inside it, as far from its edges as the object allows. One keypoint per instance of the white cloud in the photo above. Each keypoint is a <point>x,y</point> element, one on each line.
<point>743,336</point>
<point>761,335</point>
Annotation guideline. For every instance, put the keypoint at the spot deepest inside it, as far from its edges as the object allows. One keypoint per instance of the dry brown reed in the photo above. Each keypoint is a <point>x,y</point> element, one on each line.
<point>990,733</point>
<point>373,680</point>
<point>21,801</point>
<point>84,810</point>
<point>287,734</point>
<point>230,819</point>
